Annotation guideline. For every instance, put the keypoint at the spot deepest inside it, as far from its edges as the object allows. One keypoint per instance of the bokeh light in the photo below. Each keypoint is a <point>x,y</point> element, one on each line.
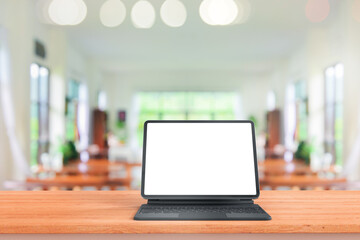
<point>173,13</point>
<point>317,10</point>
<point>112,13</point>
<point>143,14</point>
<point>218,12</point>
<point>67,12</point>
<point>355,10</point>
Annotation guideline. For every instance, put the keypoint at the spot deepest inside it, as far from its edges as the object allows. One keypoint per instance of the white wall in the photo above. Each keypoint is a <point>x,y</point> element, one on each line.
<point>325,46</point>
<point>62,59</point>
<point>20,57</point>
<point>122,87</point>
<point>5,165</point>
<point>351,91</point>
<point>337,43</point>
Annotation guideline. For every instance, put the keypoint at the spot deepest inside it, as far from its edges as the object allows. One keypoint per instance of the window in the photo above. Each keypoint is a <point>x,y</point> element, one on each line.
<point>271,101</point>
<point>185,106</point>
<point>301,105</point>
<point>83,117</point>
<point>334,77</point>
<point>102,100</point>
<point>39,120</point>
<point>71,110</point>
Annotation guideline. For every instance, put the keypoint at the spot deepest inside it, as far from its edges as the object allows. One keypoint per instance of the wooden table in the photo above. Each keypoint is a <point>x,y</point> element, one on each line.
<point>71,182</point>
<point>95,173</point>
<point>275,173</point>
<point>302,181</point>
<point>312,214</point>
<point>282,167</point>
<point>92,167</point>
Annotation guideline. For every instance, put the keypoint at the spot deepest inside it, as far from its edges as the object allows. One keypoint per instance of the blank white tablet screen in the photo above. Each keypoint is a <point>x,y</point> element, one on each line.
<point>199,159</point>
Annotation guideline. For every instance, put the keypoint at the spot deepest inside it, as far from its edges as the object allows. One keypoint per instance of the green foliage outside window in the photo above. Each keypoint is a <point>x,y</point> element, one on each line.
<point>334,81</point>
<point>39,112</point>
<point>302,111</point>
<point>304,151</point>
<point>185,106</point>
<point>71,110</point>
<point>338,133</point>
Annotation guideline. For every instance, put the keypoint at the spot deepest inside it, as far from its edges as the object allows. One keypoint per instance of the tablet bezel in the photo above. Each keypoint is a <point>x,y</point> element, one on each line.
<point>198,197</point>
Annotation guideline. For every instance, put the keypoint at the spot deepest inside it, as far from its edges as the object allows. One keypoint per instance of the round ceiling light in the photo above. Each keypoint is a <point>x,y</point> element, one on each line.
<point>82,12</point>
<point>112,13</point>
<point>67,12</point>
<point>317,10</point>
<point>173,13</point>
<point>218,12</point>
<point>143,14</point>
<point>355,9</point>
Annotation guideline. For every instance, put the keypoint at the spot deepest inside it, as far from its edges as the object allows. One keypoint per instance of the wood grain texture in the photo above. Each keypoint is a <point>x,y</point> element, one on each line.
<point>113,212</point>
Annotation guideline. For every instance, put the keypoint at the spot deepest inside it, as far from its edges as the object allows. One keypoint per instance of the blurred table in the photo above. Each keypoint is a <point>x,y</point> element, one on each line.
<point>68,182</point>
<point>96,173</point>
<point>100,173</point>
<point>296,174</point>
<point>282,167</point>
<point>96,167</point>
<point>302,181</point>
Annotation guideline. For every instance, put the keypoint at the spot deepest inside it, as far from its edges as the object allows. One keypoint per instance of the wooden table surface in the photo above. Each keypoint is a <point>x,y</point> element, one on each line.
<point>113,212</point>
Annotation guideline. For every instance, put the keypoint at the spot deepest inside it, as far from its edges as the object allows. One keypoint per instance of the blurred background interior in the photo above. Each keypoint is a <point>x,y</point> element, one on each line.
<point>78,78</point>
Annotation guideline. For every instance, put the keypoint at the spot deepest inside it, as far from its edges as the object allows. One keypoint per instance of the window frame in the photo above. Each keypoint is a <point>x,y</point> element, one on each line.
<point>43,127</point>
<point>74,119</point>
<point>301,101</point>
<point>187,111</point>
<point>332,142</point>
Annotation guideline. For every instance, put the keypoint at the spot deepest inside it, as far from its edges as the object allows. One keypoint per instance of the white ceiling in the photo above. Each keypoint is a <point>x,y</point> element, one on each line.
<point>275,29</point>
